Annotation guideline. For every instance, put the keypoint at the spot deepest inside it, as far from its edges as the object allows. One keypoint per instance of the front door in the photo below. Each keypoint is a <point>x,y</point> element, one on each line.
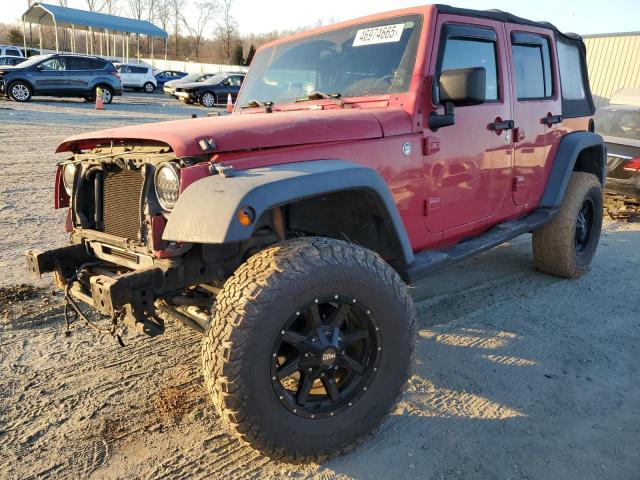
<point>51,76</point>
<point>468,165</point>
<point>536,110</point>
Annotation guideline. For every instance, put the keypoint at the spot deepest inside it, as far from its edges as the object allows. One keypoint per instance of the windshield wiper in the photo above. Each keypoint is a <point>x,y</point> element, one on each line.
<point>334,97</point>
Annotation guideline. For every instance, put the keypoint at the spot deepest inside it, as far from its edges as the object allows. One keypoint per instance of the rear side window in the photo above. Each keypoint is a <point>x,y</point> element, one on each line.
<point>574,82</point>
<point>532,66</point>
<point>12,52</point>
<point>97,64</point>
<point>78,64</point>
<point>473,52</point>
<point>138,70</point>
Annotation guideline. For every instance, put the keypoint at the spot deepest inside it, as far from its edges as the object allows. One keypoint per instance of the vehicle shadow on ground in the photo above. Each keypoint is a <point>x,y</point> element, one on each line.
<point>489,384</point>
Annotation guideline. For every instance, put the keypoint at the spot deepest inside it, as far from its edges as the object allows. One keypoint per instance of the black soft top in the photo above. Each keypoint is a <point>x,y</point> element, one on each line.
<point>501,16</point>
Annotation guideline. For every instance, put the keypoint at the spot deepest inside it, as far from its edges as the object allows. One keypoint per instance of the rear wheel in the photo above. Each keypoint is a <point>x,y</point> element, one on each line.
<point>107,95</point>
<point>565,246</point>
<point>208,99</point>
<point>20,91</point>
<point>149,87</point>
<point>309,347</point>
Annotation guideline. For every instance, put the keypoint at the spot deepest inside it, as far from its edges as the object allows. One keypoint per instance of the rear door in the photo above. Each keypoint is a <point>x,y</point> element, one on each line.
<point>536,110</point>
<point>79,73</point>
<point>468,174</point>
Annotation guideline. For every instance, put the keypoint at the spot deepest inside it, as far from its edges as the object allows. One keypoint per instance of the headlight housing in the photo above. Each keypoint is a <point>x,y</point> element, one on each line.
<point>68,176</point>
<point>167,183</point>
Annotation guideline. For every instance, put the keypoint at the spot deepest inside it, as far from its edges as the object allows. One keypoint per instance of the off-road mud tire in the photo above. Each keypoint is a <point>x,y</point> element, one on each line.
<point>554,245</point>
<point>248,316</point>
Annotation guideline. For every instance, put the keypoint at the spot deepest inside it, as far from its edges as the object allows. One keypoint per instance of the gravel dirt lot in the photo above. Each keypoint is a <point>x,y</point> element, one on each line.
<point>517,375</point>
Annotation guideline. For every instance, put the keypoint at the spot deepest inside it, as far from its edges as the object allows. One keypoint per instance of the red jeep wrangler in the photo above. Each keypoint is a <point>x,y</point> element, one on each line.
<point>359,157</point>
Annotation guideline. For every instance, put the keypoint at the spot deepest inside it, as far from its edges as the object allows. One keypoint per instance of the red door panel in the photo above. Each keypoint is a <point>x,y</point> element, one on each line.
<point>536,95</point>
<point>470,176</point>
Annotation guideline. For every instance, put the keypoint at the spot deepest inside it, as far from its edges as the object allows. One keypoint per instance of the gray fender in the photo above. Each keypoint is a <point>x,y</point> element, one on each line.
<point>568,151</point>
<point>206,211</point>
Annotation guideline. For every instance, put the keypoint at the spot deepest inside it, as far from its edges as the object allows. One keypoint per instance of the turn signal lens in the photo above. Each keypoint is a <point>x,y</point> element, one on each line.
<point>246,216</point>
<point>632,165</point>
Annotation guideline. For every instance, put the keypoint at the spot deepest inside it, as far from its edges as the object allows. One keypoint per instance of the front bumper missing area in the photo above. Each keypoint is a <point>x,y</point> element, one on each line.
<point>129,294</point>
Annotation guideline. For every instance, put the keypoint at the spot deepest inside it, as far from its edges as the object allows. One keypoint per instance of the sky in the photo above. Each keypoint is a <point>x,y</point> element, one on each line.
<point>258,16</point>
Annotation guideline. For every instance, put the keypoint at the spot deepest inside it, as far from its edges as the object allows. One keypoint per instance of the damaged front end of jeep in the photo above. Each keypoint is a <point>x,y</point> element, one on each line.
<point>119,196</point>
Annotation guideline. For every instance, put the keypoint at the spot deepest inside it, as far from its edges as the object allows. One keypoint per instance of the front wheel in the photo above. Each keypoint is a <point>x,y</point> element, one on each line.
<point>309,347</point>
<point>208,99</point>
<point>20,91</point>
<point>565,246</point>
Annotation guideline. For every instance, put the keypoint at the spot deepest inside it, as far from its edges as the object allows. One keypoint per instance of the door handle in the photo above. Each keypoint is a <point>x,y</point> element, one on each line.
<point>551,119</point>
<point>502,125</point>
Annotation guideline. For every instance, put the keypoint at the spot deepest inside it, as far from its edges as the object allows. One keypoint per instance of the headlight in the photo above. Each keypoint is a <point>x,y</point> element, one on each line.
<point>68,175</point>
<point>167,183</point>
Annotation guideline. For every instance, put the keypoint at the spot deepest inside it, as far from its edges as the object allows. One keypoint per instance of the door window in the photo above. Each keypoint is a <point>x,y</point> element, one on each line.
<point>12,52</point>
<point>57,63</point>
<point>76,63</point>
<point>473,52</point>
<point>532,66</point>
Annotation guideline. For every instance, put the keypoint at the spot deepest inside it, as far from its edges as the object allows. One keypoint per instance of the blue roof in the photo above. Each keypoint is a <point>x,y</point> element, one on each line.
<point>47,14</point>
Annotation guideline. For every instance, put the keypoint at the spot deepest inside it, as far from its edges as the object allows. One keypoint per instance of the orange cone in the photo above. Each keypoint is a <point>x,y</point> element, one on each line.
<point>99,102</point>
<point>229,104</point>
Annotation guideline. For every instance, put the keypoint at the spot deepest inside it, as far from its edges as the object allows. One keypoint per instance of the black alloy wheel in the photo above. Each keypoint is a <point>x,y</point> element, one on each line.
<point>326,356</point>
<point>584,225</point>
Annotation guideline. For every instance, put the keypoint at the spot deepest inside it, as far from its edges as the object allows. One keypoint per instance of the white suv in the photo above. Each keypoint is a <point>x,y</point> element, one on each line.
<point>138,77</point>
<point>9,51</point>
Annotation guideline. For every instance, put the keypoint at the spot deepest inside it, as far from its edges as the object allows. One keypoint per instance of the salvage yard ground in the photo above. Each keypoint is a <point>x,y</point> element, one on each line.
<point>517,374</point>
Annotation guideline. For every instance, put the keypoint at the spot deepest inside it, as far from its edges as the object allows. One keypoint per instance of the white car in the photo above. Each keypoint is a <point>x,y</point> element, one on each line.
<point>138,77</point>
<point>10,51</point>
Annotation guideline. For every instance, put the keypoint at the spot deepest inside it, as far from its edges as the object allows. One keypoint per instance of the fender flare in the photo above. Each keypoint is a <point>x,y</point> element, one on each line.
<point>567,153</point>
<point>206,212</point>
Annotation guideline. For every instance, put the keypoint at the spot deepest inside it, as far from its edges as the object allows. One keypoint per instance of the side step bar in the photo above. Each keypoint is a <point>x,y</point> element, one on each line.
<point>431,261</point>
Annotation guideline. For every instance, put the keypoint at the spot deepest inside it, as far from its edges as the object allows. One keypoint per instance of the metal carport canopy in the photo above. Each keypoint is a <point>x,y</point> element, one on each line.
<point>54,15</point>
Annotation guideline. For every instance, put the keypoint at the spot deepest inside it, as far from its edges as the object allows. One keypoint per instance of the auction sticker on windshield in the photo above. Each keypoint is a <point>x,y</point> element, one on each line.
<point>381,34</point>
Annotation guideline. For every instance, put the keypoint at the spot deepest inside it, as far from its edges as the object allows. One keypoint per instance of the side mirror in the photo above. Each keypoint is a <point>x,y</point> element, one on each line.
<point>458,87</point>
<point>39,67</point>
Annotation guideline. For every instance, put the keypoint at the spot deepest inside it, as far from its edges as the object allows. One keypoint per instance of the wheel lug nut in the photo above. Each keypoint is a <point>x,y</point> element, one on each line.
<point>331,414</point>
<point>354,300</point>
<point>297,313</point>
<point>335,296</point>
<point>280,397</point>
<point>274,355</point>
<point>295,410</point>
<point>313,416</point>
<point>282,332</point>
<point>316,300</point>
<point>306,355</point>
<point>368,312</point>
<point>273,378</point>
<point>350,403</point>
<point>311,369</point>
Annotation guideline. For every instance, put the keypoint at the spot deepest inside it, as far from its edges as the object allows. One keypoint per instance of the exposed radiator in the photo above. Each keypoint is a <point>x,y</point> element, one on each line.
<point>121,203</point>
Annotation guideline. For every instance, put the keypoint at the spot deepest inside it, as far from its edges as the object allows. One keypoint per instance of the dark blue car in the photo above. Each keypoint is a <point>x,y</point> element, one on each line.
<point>167,75</point>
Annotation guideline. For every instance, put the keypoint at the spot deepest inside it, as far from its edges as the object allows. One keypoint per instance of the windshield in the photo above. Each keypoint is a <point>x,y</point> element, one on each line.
<point>33,60</point>
<point>367,59</point>
<point>618,123</point>
<point>214,80</point>
<point>192,77</point>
